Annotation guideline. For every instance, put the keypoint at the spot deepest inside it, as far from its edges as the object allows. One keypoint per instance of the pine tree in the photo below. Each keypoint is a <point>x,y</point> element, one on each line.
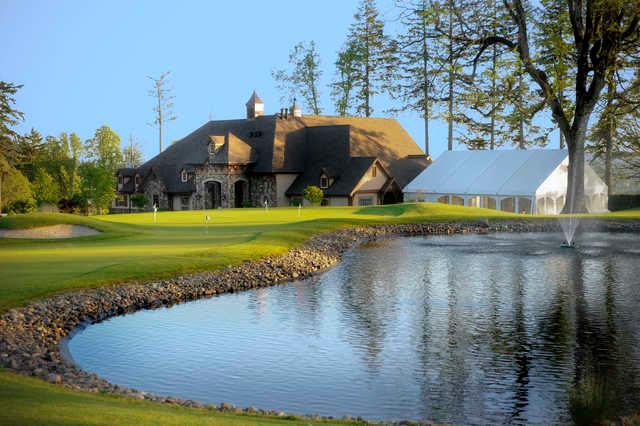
<point>345,80</point>
<point>373,55</point>
<point>416,71</point>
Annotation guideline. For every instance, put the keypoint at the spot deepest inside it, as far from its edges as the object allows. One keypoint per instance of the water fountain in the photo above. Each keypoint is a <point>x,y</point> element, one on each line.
<point>569,222</point>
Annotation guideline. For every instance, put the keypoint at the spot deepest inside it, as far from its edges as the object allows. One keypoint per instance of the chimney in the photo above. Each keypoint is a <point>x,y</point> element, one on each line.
<point>295,109</point>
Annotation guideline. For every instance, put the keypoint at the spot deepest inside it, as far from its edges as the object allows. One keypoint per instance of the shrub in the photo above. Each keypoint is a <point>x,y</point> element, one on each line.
<point>623,201</point>
<point>21,206</point>
<point>139,200</point>
<point>247,204</point>
<point>73,205</point>
<point>313,194</point>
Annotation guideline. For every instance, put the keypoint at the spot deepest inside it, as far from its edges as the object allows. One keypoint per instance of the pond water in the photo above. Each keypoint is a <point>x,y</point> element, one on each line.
<point>465,329</point>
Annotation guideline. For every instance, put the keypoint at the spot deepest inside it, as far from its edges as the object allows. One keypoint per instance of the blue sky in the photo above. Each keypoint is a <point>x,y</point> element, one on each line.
<point>85,63</point>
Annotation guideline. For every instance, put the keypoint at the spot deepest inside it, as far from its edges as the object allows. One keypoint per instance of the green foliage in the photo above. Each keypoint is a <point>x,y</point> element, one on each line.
<point>14,187</point>
<point>313,194</point>
<point>45,187</point>
<point>303,78</point>
<point>104,149</point>
<point>9,117</point>
<point>139,200</point>
<point>98,188</point>
<point>344,84</point>
<point>373,54</point>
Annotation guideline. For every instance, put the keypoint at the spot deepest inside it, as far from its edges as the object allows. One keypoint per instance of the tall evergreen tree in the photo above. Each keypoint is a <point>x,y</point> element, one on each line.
<point>344,83</point>
<point>9,117</point>
<point>416,71</point>
<point>374,56</point>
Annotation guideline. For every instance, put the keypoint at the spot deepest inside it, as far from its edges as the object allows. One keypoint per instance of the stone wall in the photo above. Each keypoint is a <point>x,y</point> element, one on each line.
<point>261,188</point>
<point>226,175</point>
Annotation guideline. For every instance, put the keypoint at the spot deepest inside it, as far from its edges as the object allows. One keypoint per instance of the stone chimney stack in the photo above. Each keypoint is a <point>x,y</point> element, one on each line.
<point>255,106</point>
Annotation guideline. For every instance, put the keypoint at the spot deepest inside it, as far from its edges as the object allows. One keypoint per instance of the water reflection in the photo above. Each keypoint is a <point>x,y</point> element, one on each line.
<point>465,329</point>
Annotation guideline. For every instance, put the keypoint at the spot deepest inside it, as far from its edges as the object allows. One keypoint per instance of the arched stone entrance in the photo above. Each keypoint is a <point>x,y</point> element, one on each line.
<point>213,199</point>
<point>241,192</point>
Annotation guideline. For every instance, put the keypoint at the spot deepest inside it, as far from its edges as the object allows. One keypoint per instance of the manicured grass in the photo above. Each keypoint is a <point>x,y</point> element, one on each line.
<point>28,401</point>
<point>132,247</point>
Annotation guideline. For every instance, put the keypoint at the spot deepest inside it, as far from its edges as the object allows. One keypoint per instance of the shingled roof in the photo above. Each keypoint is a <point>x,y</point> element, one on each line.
<point>271,144</point>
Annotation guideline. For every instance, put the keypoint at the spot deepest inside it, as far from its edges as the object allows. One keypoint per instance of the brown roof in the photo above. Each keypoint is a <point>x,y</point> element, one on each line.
<point>296,145</point>
<point>254,99</point>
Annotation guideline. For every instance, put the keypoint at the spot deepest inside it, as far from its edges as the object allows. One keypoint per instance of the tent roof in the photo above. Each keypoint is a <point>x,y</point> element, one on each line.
<point>500,172</point>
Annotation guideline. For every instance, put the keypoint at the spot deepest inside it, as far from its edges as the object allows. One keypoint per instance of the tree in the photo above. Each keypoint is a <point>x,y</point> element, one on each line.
<point>163,108</point>
<point>104,149</point>
<point>602,29</point>
<point>343,85</point>
<point>97,190</point>
<point>132,154</point>
<point>313,194</point>
<point>553,34</point>
<point>14,187</point>
<point>46,189</point>
<point>373,56</point>
<point>30,152</point>
<point>9,117</point>
<point>303,77</point>
<point>415,71</point>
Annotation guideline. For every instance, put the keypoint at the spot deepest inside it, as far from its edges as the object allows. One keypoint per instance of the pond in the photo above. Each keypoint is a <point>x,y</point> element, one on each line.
<point>466,329</point>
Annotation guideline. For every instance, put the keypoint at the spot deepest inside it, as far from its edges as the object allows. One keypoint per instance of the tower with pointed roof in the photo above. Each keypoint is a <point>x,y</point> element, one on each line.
<point>255,106</point>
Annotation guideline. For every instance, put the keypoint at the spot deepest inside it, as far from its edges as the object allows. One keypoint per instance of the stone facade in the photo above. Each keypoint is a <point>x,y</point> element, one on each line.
<point>261,188</point>
<point>154,188</point>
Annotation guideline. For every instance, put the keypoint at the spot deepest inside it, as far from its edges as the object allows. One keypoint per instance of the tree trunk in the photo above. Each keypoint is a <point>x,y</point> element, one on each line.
<point>451,74</point>
<point>610,133</point>
<point>575,200</point>
<point>425,78</point>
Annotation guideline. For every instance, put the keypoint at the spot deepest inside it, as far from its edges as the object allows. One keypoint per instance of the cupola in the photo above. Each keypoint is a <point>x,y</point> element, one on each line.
<point>255,106</point>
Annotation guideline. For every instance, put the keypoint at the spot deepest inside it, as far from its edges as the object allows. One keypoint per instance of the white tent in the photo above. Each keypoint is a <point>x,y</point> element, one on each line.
<point>525,181</point>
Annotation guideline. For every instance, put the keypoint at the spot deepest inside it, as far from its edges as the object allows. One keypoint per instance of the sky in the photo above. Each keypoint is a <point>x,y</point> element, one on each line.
<point>84,64</point>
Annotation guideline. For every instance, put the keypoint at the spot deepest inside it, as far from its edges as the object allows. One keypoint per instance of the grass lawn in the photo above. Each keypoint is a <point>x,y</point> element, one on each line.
<point>132,247</point>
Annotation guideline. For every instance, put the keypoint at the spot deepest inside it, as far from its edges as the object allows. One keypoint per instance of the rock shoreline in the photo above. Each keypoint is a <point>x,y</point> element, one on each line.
<point>30,337</point>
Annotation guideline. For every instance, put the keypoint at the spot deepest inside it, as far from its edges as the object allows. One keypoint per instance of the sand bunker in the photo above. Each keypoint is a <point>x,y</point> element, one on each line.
<point>54,231</point>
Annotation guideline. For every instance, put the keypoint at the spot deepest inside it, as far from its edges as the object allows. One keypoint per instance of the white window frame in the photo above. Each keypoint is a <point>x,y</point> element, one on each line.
<point>365,201</point>
<point>184,176</point>
<point>325,179</point>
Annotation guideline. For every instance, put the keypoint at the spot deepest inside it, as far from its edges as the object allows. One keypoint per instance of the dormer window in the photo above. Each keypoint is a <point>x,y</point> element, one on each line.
<point>137,180</point>
<point>184,176</point>
<point>120,180</point>
<point>324,182</point>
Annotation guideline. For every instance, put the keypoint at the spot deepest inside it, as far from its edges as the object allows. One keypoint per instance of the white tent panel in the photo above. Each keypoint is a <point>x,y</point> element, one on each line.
<point>438,172</point>
<point>468,172</point>
<point>539,165</point>
<point>505,164</point>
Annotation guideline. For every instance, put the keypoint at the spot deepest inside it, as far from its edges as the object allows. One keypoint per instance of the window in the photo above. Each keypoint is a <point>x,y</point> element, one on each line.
<point>184,176</point>
<point>324,181</point>
<point>121,201</point>
<point>137,180</point>
<point>120,180</point>
<point>184,202</point>
<point>374,171</point>
<point>365,201</point>
<point>156,200</point>
<point>127,179</point>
